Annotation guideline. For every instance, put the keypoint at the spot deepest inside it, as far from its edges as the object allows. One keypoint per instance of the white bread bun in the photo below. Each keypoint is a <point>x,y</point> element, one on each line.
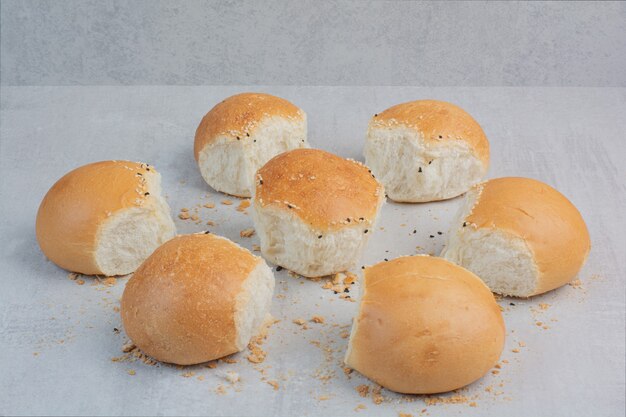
<point>424,326</point>
<point>197,298</point>
<point>521,236</point>
<point>426,150</point>
<point>104,218</point>
<point>240,134</point>
<point>314,211</point>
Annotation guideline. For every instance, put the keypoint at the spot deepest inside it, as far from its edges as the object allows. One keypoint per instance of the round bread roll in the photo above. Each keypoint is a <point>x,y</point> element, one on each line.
<point>521,236</point>
<point>426,150</point>
<point>313,211</point>
<point>197,298</point>
<point>104,218</point>
<point>240,134</point>
<point>424,326</point>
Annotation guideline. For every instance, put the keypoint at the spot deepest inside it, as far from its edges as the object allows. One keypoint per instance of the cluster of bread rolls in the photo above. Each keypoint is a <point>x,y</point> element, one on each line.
<point>425,324</point>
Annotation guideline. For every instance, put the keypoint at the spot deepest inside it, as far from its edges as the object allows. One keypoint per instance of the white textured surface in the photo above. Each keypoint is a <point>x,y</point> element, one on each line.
<point>570,138</point>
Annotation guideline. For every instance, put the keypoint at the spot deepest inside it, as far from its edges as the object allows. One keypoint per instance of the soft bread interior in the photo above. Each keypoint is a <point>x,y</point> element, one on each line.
<point>414,171</point>
<point>229,165</point>
<point>252,304</point>
<point>129,236</point>
<point>287,241</point>
<point>502,260</point>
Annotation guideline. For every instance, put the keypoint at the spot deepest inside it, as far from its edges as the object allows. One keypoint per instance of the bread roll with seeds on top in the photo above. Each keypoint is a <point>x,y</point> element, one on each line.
<point>104,218</point>
<point>240,134</point>
<point>314,211</point>
<point>426,150</point>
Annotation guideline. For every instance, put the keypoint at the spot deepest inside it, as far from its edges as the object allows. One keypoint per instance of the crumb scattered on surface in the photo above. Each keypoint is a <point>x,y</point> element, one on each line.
<point>80,281</point>
<point>318,319</point>
<point>360,407</point>
<point>453,399</point>
<point>183,215</point>
<point>209,205</point>
<point>232,377</point>
<point>576,284</point>
<point>247,232</point>
<point>256,248</point>
<point>299,322</point>
<point>377,397</point>
<point>188,374</point>
<point>544,306</point>
<point>363,390</point>
<point>110,281</point>
<point>227,202</point>
<point>243,205</point>
<point>210,223</point>
<point>274,384</point>
<point>131,372</point>
<point>73,276</point>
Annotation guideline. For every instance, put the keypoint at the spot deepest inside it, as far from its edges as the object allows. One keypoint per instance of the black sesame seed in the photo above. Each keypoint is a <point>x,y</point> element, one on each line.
<point>440,137</point>
<point>335,292</point>
<point>140,174</point>
<point>207,232</point>
<point>346,289</point>
<point>464,224</point>
<point>414,231</point>
<point>279,268</point>
<point>254,141</point>
<point>376,115</point>
<point>361,218</point>
<point>116,330</point>
<point>290,206</point>
<point>440,233</point>
<point>511,304</point>
<point>365,231</point>
<point>348,219</point>
<point>431,236</point>
<point>347,296</point>
<point>430,162</point>
<point>146,193</point>
<point>147,169</point>
<point>319,237</point>
<point>248,135</point>
<point>238,138</point>
<point>386,260</point>
<point>261,182</point>
<point>362,267</point>
<point>419,169</point>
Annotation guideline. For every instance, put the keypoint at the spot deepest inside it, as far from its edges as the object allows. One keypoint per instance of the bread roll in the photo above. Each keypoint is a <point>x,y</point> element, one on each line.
<point>426,150</point>
<point>313,211</point>
<point>521,236</point>
<point>424,326</point>
<point>240,134</point>
<point>197,298</point>
<point>104,218</point>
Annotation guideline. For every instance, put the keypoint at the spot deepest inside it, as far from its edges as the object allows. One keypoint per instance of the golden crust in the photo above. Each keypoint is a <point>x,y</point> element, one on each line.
<point>179,306</point>
<point>437,121</point>
<point>552,227</point>
<point>73,210</point>
<point>324,190</point>
<point>239,115</point>
<point>425,326</point>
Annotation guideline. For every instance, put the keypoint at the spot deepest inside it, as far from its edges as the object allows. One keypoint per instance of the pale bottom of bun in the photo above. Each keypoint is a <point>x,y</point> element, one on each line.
<point>414,172</point>
<point>252,304</point>
<point>502,260</point>
<point>129,236</point>
<point>229,165</point>
<point>290,243</point>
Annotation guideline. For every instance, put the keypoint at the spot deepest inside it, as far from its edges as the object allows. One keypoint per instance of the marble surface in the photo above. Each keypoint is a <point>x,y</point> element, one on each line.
<point>312,42</point>
<point>58,339</point>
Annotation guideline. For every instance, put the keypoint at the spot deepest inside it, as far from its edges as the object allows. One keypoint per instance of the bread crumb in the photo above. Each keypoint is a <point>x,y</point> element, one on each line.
<point>229,360</point>
<point>131,372</point>
<point>318,319</point>
<point>359,407</point>
<point>129,347</point>
<point>208,205</point>
<point>404,414</point>
<point>211,365</point>
<point>454,399</point>
<point>521,344</point>
<point>347,370</point>
<point>377,398</point>
<point>243,205</point>
<point>473,404</point>
<point>544,306</point>
<point>210,223</point>
<point>256,248</point>
<point>188,374</point>
<point>327,285</point>
<point>80,281</point>
<point>274,384</point>
<point>232,377</point>
<point>184,209</point>
<point>299,322</point>
<point>247,232</point>
<point>363,390</point>
<point>183,216</point>
<point>227,202</point>
<point>576,284</point>
<point>195,217</point>
<point>516,350</point>
<point>73,276</point>
<point>110,281</point>
<point>344,334</point>
<point>323,398</point>
<point>220,390</point>
<point>495,372</point>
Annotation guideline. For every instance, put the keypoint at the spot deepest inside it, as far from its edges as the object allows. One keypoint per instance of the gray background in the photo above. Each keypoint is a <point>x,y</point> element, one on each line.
<point>313,43</point>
